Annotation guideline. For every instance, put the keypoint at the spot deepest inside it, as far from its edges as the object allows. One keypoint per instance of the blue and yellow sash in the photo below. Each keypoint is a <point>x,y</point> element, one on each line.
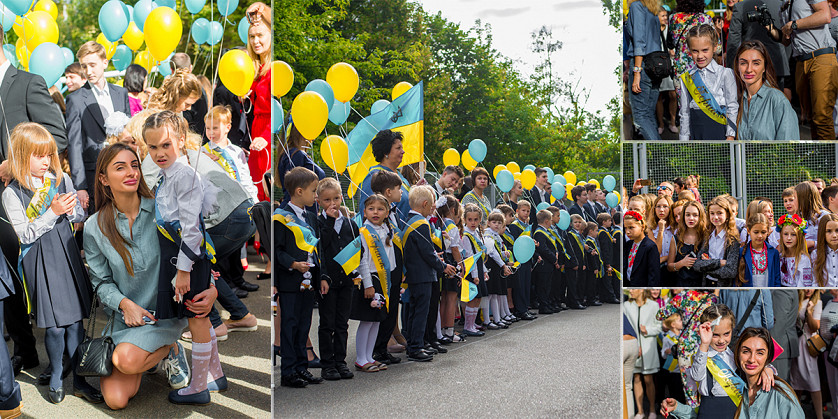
<point>225,160</point>
<point>412,224</point>
<point>732,384</point>
<point>38,205</point>
<point>381,262</point>
<point>703,98</point>
<point>476,244</point>
<point>479,203</point>
<point>304,238</point>
<point>593,243</point>
<point>170,230</point>
<point>525,228</point>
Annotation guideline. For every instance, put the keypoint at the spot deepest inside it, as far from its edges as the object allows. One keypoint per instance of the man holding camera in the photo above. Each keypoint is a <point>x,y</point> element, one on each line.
<point>806,28</point>
<point>748,23</point>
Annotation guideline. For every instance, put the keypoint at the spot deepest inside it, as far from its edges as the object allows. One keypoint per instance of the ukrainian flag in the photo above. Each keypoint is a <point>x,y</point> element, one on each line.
<point>470,263</point>
<point>406,115</point>
<point>350,257</point>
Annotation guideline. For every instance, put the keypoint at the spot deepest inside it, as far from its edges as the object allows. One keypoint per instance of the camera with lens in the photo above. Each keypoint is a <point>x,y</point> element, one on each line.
<point>761,15</point>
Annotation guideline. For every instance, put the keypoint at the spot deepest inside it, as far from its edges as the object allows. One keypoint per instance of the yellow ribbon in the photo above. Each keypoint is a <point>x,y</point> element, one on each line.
<point>378,261</point>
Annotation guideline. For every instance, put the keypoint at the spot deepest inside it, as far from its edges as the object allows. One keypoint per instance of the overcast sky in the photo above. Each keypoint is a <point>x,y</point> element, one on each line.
<point>590,45</point>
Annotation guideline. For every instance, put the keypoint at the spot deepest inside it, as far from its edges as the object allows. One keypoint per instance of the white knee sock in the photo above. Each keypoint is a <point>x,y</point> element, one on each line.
<point>438,325</point>
<point>504,306</point>
<point>215,371</point>
<point>471,315</point>
<point>371,340</point>
<point>361,338</point>
<point>200,367</point>
<point>484,305</point>
<point>493,301</point>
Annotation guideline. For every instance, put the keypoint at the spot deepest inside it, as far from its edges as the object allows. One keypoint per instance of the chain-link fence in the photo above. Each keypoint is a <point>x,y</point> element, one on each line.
<point>743,170</point>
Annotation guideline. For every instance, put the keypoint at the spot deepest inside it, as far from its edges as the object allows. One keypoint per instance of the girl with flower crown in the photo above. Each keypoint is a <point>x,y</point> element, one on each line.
<point>795,263</point>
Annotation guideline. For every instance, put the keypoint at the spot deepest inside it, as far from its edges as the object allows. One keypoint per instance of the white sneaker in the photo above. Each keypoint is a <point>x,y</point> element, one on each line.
<point>177,367</point>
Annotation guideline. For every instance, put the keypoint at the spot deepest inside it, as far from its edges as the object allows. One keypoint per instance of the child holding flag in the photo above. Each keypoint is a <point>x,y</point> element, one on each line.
<point>449,211</point>
<point>500,268</point>
<point>473,250</point>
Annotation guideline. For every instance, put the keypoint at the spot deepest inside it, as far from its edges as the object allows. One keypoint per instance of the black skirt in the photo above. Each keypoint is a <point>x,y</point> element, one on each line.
<point>702,127</point>
<point>497,283</point>
<point>199,280</point>
<point>450,284</point>
<point>361,308</point>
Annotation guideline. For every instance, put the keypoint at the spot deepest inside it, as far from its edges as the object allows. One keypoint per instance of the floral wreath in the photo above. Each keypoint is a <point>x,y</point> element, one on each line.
<point>634,214</point>
<point>793,220</point>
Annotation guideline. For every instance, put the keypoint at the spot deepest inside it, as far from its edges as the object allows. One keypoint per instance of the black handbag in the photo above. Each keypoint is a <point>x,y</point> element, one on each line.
<point>95,355</point>
<point>657,65</point>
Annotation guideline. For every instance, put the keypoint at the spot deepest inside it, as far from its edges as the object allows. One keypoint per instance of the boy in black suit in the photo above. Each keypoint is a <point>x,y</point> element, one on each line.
<point>421,268</point>
<point>576,277</point>
<point>544,269</point>
<point>559,287</point>
<point>616,253</point>
<point>295,268</point>
<point>606,246</point>
<point>521,293</point>
<point>336,231</point>
<point>594,266</point>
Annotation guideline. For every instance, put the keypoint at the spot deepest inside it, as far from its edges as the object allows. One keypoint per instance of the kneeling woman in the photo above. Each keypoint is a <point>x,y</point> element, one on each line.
<point>123,253</point>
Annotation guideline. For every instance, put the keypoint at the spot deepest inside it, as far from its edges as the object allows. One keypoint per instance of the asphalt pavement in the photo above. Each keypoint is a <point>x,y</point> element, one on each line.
<point>564,365</point>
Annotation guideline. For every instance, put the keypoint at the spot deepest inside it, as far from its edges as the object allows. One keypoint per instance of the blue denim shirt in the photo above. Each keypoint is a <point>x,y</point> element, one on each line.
<point>768,116</point>
<point>643,31</point>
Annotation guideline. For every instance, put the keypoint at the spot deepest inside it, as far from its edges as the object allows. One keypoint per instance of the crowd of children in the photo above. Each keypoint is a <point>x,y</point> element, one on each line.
<point>445,262</point>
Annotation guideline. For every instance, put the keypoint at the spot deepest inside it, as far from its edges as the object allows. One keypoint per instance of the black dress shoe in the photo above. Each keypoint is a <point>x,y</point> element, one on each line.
<point>614,301</point>
<point>526,317</point>
<point>248,286</point>
<point>17,364</point>
<point>577,307</point>
<point>292,380</point>
<point>596,303</point>
<point>344,371</point>
<point>330,374</point>
<point>445,340</point>
<point>56,396</point>
<point>386,358</point>
<point>439,347</point>
<point>430,349</point>
<point>240,292</point>
<point>419,356</point>
<point>90,394</point>
<point>305,375</point>
<point>29,363</point>
<point>392,359</point>
<point>545,310</point>
<point>263,275</point>
<point>470,333</point>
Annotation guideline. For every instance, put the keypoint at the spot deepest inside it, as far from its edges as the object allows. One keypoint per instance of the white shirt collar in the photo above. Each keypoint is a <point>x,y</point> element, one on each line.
<point>299,211</point>
<point>101,90</point>
<point>4,68</point>
<point>830,252</point>
<point>715,235</point>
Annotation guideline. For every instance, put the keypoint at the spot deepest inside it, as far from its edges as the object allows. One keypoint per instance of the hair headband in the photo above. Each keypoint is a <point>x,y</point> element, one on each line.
<point>795,221</point>
<point>634,214</point>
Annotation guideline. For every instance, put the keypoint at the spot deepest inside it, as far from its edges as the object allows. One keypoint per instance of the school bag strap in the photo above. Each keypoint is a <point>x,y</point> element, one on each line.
<point>741,321</point>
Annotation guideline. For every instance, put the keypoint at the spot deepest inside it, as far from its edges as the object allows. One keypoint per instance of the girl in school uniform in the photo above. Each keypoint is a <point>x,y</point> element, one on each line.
<point>719,257</point>
<point>500,267</point>
<point>370,300</point>
<point>825,254</point>
<point>795,262</point>
<point>641,260</point>
<point>41,204</point>
<point>451,217</point>
<point>472,243</point>
<point>181,197</point>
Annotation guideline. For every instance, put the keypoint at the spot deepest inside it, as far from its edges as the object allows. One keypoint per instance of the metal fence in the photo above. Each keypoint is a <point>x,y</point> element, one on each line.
<point>745,170</point>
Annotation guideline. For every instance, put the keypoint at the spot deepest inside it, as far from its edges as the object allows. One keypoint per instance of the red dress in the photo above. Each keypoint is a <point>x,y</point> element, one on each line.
<point>259,162</point>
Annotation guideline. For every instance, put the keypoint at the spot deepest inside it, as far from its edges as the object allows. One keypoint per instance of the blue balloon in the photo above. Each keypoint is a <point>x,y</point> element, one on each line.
<point>564,220</point>
<point>130,13</point>
<point>325,90</point>
<point>339,112</point>
<point>477,150</point>
<point>523,248</point>
<point>505,180</point>
<point>542,206</point>
<point>172,4</point>
<point>7,18</point>
<point>225,7</point>
<point>277,116</point>
<point>529,166</point>
<point>550,174</point>
<point>121,58</point>
<point>141,10</point>
<point>557,190</point>
<point>113,20</point>
<point>9,52</point>
<point>379,105</point>
<point>47,61</point>
<point>609,183</point>
<point>19,7</point>
<point>612,200</point>
<point>200,30</point>
<point>559,178</point>
<point>195,6</point>
<point>244,26</point>
<point>216,31</point>
<point>165,67</point>
<point>69,58</point>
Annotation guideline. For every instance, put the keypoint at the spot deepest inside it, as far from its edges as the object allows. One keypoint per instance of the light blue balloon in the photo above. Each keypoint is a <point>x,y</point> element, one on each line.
<point>477,150</point>
<point>121,58</point>
<point>69,58</point>
<point>609,183</point>
<point>550,174</point>
<point>529,166</point>
<point>130,12</point>
<point>523,248</point>
<point>277,116</point>
<point>216,31</point>
<point>505,180</point>
<point>324,89</point>
<point>195,6</point>
<point>379,106</point>
<point>559,178</point>
<point>225,7</point>
<point>142,9</point>
<point>7,18</point>
<point>612,200</point>
<point>542,206</point>
<point>557,190</point>
<point>9,52</point>
<point>564,220</point>
<point>200,30</point>
<point>165,67</point>
<point>19,7</point>
<point>244,26</point>
<point>339,112</point>
<point>113,20</point>
<point>47,61</point>
<point>172,4</point>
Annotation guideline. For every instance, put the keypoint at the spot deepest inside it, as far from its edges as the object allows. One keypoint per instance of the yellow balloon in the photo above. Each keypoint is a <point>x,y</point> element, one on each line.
<point>595,182</point>
<point>18,26</point>
<point>568,188</point>
<point>528,179</point>
<point>513,167</point>
<point>120,82</point>
<point>468,162</point>
<point>619,198</point>
<point>335,153</point>
<point>144,59</point>
<point>400,88</point>
<point>570,177</point>
<point>581,183</point>
<point>236,71</point>
<point>451,157</point>
<point>133,36</point>
<point>47,6</point>
<point>110,48</point>
<point>163,30</point>
<point>39,27</point>
<point>516,176</point>
<point>22,53</point>
<point>282,78</point>
<point>497,170</point>
<point>344,81</point>
<point>310,114</point>
<point>711,13</point>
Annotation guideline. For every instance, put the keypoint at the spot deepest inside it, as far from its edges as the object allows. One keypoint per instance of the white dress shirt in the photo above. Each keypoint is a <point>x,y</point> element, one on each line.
<point>180,197</point>
<point>103,98</point>
<point>721,84</point>
<point>830,267</point>
<point>30,231</point>
<point>698,373</point>
<point>367,265</point>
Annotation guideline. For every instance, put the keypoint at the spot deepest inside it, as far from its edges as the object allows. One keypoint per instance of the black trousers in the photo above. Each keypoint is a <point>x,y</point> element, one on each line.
<point>543,282</point>
<point>333,332</point>
<point>521,291</point>
<point>9,388</point>
<point>417,316</point>
<point>385,329</point>
<point>558,288</point>
<point>572,297</point>
<point>17,319</point>
<point>590,285</point>
<point>433,313</point>
<point>296,310</point>
<point>606,292</point>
